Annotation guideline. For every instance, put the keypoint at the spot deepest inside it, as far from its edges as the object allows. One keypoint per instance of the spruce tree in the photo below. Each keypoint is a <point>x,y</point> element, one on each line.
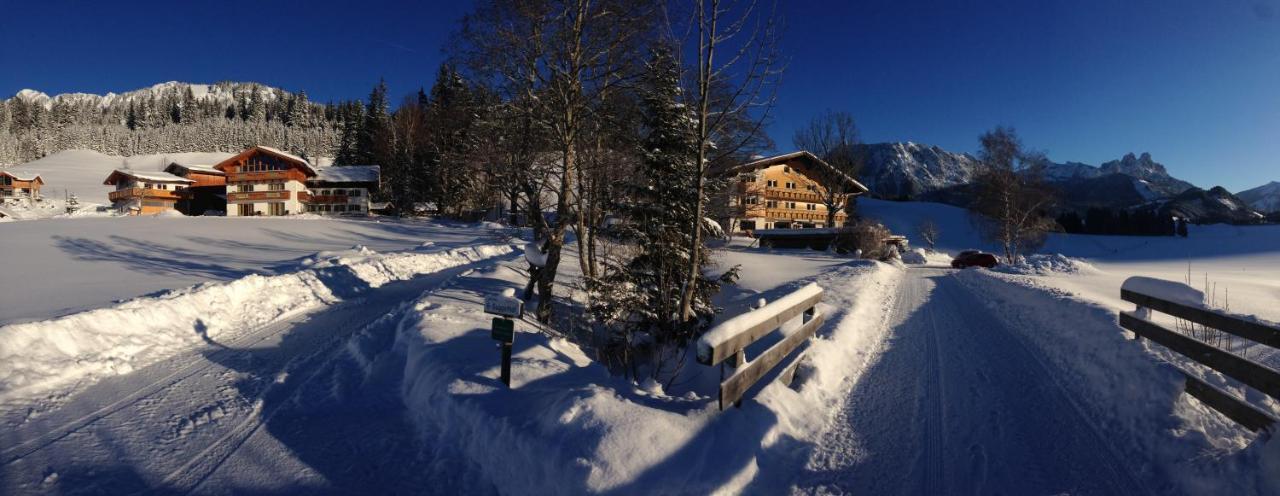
<point>372,130</point>
<point>643,295</point>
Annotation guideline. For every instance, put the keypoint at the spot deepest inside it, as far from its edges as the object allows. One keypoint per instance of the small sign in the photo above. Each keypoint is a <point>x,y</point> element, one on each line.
<point>503,330</point>
<point>506,306</point>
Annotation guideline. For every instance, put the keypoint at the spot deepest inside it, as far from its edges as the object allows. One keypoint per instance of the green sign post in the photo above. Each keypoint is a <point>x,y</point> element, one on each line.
<point>504,331</point>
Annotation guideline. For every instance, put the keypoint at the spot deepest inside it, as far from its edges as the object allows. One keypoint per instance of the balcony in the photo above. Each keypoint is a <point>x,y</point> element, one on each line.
<point>258,196</point>
<point>339,199</point>
<point>145,193</point>
<point>259,176</point>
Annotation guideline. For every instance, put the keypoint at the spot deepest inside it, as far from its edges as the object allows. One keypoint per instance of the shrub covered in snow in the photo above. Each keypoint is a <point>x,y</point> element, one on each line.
<point>1047,264</point>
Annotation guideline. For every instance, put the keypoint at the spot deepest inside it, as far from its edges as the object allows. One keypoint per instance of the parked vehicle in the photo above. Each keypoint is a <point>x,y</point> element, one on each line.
<point>974,258</point>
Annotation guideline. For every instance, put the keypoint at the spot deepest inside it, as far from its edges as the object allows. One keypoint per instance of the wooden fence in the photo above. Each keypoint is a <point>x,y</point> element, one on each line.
<point>731,338</point>
<point>1250,373</point>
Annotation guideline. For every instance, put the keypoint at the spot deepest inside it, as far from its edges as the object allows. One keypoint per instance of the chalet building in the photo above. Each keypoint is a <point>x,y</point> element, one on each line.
<point>784,192</point>
<point>266,181</point>
<point>343,190</point>
<point>17,185</point>
<point>146,193</point>
<point>207,192</point>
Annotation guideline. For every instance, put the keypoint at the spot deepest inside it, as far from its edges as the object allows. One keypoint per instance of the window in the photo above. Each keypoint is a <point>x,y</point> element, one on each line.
<point>325,192</point>
<point>791,185</point>
<point>812,187</point>
<point>355,193</point>
<point>810,206</point>
<point>787,169</point>
<point>276,208</point>
<point>753,200</point>
<point>771,204</point>
<point>275,187</point>
<point>245,209</point>
<point>339,208</point>
<point>246,188</point>
<point>772,183</point>
<point>748,225</point>
<point>791,205</point>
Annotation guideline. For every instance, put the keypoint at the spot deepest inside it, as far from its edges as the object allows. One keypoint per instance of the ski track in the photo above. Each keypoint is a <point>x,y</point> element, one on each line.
<point>171,426</point>
<point>959,404</point>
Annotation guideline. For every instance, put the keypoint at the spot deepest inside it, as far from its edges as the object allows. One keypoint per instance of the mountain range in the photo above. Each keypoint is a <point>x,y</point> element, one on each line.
<point>922,172</point>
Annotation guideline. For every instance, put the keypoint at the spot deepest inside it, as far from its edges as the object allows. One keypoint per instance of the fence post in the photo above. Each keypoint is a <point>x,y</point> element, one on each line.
<point>1143,313</point>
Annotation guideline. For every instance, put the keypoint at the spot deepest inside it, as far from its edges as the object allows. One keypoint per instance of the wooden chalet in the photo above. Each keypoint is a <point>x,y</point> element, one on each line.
<point>145,193</point>
<point>266,181</point>
<point>17,185</point>
<point>784,192</point>
<point>207,192</point>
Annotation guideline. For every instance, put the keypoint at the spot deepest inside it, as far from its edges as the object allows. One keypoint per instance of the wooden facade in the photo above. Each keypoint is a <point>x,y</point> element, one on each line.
<point>265,181</point>
<point>784,192</point>
<point>20,186</point>
<point>207,192</point>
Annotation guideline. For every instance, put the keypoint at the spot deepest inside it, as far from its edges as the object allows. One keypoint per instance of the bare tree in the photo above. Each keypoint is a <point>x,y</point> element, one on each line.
<point>1012,199</point>
<point>556,56</point>
<point>929,233</point>
<point>833,137</point>
<point>737,70</point>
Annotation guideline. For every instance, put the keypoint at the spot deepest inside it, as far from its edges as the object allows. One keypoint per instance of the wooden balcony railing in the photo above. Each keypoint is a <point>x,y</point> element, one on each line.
<point>147,193</point>
<point>258,176</point>
<point>258,196</point>
<point>328,199</point>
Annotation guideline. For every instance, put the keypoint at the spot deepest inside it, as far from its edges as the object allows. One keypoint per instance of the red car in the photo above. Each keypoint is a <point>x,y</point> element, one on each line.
<point>974,258</point>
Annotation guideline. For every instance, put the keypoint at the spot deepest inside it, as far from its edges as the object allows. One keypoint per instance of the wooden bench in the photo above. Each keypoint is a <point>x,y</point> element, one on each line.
<point>731,338</point>
<point>1246,371</point>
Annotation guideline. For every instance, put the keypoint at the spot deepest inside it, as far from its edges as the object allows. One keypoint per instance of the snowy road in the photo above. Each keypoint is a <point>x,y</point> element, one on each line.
<point>276,410</point>
<point>960,404</point>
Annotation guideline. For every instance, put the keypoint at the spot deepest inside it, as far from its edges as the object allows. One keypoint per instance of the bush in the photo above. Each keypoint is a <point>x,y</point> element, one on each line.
<point>867,237</point>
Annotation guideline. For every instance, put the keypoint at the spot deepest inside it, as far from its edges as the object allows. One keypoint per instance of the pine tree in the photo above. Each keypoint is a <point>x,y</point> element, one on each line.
<point>132,120</point>
<point>377,118</point>
<point>643,294</point>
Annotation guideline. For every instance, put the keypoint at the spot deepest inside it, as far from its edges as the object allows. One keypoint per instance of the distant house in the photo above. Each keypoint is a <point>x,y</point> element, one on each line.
<point>207,192</point>
<point>145,193</point>
<point>20,185</point>
<point>343,190</point>
<point>784,192</point>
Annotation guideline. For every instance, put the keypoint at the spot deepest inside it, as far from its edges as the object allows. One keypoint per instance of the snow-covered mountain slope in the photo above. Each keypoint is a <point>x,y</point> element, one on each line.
<point>1265,198</point>
<point>221,93</point>
<point>915,171</point>
<point>907,170</point>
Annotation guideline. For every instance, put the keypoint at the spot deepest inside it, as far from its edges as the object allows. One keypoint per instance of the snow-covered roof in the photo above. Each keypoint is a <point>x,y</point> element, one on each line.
<point>786,157</point>
<point>348,174</point>
<point>158,177</point>
<point>21,176</point>
<point>288,155</point>
<point>197,168</point>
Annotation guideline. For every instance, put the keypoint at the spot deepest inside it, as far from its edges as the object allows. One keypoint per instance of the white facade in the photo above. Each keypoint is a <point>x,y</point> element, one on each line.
<point>268,198</point>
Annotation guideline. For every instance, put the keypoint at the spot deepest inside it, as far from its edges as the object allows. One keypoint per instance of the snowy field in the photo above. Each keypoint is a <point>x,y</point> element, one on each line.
<point>327,355</point>
<point>70,265</point>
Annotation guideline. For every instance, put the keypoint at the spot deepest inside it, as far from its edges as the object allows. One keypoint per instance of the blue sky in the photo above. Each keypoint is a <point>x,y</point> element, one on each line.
<point>1194,82</point>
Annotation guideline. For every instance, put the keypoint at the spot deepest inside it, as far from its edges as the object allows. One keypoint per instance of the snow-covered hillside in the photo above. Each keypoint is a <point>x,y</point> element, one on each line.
<point>1265,198</point>
<point>896,170</point>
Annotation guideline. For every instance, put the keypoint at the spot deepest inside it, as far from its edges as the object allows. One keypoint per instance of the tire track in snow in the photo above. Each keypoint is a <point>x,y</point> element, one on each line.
<point>149,390</point>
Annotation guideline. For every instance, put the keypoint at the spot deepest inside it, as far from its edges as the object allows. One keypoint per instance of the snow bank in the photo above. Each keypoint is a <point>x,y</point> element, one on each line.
<point>1047,264</point>
<point>1134,398</point>
<point>923,256</point>
<point>567,426</point>
<point>1166,290</point>
<point>40,356</point>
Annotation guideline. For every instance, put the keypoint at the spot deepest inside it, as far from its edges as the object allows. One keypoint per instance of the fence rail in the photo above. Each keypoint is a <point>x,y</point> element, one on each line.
<point>731,338</point>
<point>1248,372</point>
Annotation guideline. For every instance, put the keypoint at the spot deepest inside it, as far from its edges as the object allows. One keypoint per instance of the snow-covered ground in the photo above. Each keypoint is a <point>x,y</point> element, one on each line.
<point>366,365</point>
<point>61,266</point>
